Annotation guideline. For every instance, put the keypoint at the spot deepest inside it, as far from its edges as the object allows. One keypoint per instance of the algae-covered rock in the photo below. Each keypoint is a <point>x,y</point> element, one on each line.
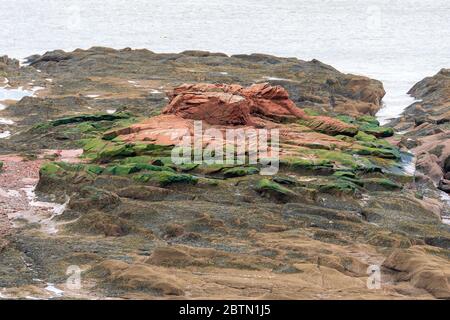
<point>165,178</point>
<point>369,125</point>
<point>272,189</point>
<point>240,172</point>
<point>339,186</point>
<point>88,117</point>
<point>377,152</point>
<point>50,168</point>
<point>122,170</point>
<point>380,184</point>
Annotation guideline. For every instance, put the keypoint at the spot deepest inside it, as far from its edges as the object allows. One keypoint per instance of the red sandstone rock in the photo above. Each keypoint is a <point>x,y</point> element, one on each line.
<point>432,154</point>
<point>222,104</point>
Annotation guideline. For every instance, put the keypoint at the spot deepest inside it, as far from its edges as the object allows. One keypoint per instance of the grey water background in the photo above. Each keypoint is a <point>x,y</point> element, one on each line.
<point>396,41</point>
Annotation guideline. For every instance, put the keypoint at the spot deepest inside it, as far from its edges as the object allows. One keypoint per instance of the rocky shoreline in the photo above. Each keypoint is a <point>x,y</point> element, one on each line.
<point>93,139</point>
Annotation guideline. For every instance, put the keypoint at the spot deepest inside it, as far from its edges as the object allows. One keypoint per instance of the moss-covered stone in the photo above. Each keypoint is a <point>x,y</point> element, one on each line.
<point>339,186</point>
<point>121,170</point>
<point>377,131</point>
<point>273,188</point>
<point>302,163</point>
<point>368,119</point>
<point>138,159</point>
<point>165,178</point>
<point>240,172</point>
<point>94,169</point>
<point>369,125</point>
<point>386,153</point>
<point>88,117</point>
<point>50,168</point>
<point>362,136</point>
<point>114,150</point>
<point>285,180</point>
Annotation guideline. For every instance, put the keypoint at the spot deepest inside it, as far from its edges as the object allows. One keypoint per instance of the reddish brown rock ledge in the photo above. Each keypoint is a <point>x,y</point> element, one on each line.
<point>222,106</point>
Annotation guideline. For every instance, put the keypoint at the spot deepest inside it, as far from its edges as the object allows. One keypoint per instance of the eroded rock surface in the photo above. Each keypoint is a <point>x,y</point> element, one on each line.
<point>138,225</point>
<point>427,127</point>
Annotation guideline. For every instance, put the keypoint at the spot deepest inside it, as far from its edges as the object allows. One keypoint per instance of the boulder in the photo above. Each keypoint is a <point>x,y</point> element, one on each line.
<point>222,104</point>
<point>423,268</point>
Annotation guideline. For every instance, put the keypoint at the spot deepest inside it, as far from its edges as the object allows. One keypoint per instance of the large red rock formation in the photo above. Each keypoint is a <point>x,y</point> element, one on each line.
<point>222,104</point>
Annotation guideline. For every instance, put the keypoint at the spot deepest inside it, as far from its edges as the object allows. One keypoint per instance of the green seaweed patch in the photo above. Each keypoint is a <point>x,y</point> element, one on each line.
<point>386,153</point>
<point>165,178</point>
<point>311,112</point>
<point>210,169</point>
<point>377,131</point>
<point>121,170</point>
<point>369,125</point>
<point>368,119</point>
<point>84,123</point>
<point>50,168</point>
<point>127,169</point>
<point>89,117</point>
<point>268,186</point>
<point>339,186</point>
<point>240,172</point>
<point>94,169</point>
<point>285,180</point>
<point>138,159</point>
<point>340,159</point>
<point>102,150</point>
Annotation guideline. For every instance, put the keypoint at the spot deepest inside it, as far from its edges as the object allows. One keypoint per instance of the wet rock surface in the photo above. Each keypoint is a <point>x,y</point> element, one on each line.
<point>426,124</point>
<point>109,203</point>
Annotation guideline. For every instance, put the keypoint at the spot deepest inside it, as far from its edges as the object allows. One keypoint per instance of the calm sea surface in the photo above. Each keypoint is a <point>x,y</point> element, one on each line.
<point>396,41</point>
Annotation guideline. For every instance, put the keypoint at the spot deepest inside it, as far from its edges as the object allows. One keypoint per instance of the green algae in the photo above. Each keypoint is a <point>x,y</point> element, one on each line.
<point>369,125</point>
<point>165,178</point>
<point>240,172</point>
<point>266,185</point>
<point>380,183</point>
